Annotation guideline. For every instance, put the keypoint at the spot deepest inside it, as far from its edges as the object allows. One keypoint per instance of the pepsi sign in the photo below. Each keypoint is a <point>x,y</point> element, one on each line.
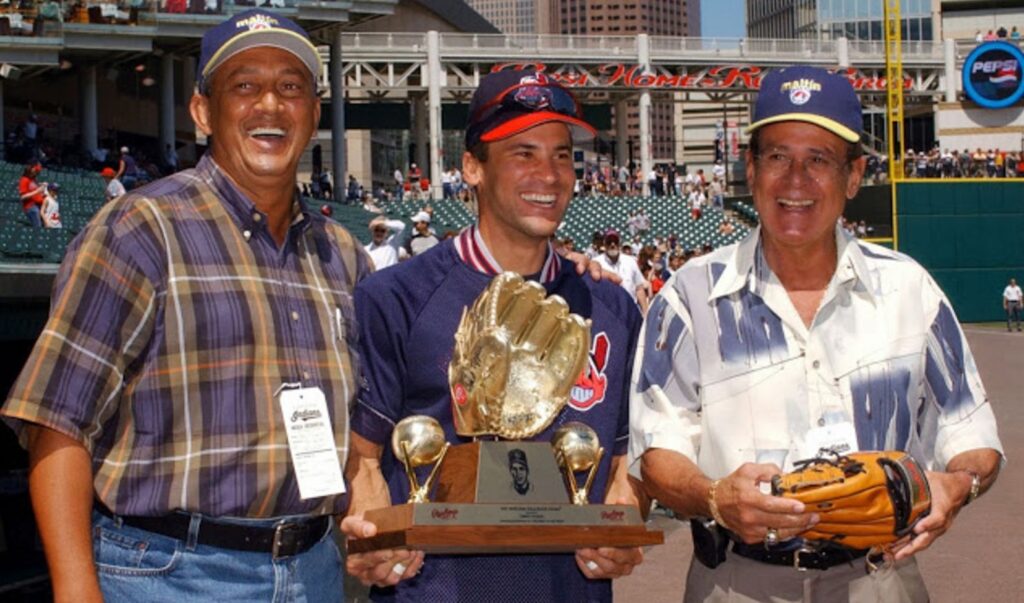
<point>993,74</point>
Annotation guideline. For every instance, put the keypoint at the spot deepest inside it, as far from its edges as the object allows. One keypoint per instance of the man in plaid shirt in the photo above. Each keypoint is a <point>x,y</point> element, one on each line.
<point>197,324</point>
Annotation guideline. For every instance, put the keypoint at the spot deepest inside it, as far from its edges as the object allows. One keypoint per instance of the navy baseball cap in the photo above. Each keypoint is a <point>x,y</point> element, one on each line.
<point>812,95</point>
<point>250,29</point>
<point>509,102</point>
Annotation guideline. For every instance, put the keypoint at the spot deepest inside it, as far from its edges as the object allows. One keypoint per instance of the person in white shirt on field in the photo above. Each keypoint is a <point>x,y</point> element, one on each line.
<point>1012,302</point>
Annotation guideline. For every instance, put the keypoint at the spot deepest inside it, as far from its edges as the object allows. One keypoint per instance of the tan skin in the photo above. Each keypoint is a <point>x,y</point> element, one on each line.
<point>524,188</point>
<point>799,246</point>
<point>259,87</point>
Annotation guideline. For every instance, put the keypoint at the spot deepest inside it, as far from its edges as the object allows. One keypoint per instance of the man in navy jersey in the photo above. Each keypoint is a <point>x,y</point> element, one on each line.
<point>519,162</point>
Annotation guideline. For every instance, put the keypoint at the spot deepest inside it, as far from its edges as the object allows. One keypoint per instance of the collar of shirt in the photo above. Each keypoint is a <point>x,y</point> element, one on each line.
<point>473,252</point>
<point>238,205</point>
<point>747,267</point>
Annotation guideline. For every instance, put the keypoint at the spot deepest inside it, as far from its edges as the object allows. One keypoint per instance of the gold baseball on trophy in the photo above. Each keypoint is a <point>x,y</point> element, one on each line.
<point>577,449</point>
<point>417,441</point>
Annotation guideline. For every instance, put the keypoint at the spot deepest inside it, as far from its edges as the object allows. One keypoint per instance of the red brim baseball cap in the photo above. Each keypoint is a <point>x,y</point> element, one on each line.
<point>509,102</point>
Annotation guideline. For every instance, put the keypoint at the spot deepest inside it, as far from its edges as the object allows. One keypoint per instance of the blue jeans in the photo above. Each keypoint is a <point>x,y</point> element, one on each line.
<point>136,565</point>
<point>34,217</point>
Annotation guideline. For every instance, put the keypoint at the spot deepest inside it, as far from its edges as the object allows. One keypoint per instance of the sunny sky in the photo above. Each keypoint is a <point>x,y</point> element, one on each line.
<point>722,18</point>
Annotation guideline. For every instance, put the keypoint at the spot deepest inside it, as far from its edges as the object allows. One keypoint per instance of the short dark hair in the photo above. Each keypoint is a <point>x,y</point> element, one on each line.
<point>479,151</point>
<point>853,149</point>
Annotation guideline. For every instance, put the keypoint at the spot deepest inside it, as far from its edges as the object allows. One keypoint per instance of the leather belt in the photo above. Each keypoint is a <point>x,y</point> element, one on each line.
<point>803,558</point>
<point>283,539</point>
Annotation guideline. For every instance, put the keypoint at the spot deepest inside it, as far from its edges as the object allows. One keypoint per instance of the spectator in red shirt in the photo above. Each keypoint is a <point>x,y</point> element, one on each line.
<point>32,194</point>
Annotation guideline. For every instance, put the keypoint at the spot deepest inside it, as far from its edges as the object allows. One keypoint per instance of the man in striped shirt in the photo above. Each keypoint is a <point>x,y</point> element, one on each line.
<point>195,324</point>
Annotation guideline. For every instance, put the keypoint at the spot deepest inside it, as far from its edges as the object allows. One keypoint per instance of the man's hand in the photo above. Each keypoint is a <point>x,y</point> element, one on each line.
<point>385,567</point>
<point>949,491</point>
<point>749,513</point>
<point>612,562</point>
<point>608,562</point>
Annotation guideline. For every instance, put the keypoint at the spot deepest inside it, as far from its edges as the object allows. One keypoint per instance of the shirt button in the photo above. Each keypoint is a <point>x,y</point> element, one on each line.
<point>821,422</point>
<point>247,234</point>
<point>295,315</point>
<point>815,364</point>
<point>257,218</point>
<point>305,375</point>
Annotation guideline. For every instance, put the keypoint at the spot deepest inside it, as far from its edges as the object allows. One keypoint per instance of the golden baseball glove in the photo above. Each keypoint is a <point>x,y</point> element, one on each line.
<point>864,499</point>
<point>517,354</point>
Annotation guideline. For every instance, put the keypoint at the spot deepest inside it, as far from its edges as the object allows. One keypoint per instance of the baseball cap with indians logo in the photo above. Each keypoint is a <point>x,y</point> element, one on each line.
<point>251,29</point>
<point>509,102</point>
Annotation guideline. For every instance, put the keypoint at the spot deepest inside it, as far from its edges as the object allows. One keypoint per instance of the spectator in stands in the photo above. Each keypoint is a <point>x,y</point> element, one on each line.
<point>415,173</point>
<point>399,184</point>
<point>1015,34</point>
<point>422,237</point>
<point>717,191</point>
<point>626,267</point>
<point>1001,32</point>
<point>244,251</point>
<point>726,227</point>
<point>385,247</point>
<point>991,35</point>
<point>30,132</point>
<point>675,261</point>
<point>326,187</point>
<point>170,158</point>
<point>114,187</point>
<point>32,193</point>
<point>447,192</point>
<point>978,36</point>
<point>127,169</point>
<point>596,246</point>
<point>353,192</point>
<point>718,170</point>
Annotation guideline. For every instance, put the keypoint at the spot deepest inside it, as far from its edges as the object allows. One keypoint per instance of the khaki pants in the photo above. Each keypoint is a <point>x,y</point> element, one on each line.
<point>742,580</point>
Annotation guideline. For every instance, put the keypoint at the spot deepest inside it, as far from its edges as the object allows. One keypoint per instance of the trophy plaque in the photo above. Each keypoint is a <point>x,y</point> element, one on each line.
<point>517,354</point>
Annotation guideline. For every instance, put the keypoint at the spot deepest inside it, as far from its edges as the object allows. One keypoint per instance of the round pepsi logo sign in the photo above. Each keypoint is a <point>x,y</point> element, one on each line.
<point>993,74</point>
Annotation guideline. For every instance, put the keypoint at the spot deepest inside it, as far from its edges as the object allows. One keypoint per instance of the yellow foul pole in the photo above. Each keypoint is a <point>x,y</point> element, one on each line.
<point>894,102</point>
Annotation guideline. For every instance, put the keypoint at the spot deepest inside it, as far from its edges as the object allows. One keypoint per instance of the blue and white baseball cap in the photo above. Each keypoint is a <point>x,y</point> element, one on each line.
<point>251,29</point>
<point>812,95</point>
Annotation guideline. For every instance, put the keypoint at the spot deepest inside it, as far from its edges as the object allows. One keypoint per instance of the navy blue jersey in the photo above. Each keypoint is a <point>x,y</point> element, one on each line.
<point>407,317</point>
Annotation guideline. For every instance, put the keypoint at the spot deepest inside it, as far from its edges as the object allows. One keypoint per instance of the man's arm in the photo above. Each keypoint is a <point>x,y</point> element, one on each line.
<point>949,490</point>
<point>679,484</point>
<point>60,484</point>
<point>370,491</point>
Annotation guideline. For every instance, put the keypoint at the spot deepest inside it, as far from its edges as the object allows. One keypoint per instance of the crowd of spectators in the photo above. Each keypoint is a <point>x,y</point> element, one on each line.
<point>998,34</point>
<point>991,163</point>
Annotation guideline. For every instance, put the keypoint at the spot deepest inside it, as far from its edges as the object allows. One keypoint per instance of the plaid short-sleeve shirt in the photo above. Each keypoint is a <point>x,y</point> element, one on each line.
<point>174,321</point>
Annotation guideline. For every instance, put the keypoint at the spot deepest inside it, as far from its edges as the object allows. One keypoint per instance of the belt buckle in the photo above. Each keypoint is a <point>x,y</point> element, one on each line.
<point>287,535</point>
<point>803,550</point>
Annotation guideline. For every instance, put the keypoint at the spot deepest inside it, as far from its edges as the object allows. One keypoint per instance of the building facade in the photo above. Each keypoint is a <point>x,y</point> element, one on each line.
<point>518,16</point>
<point>833,19</point>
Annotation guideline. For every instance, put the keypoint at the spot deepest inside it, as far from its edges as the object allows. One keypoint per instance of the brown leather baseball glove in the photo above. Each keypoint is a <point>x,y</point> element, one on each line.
<point>865,499</point>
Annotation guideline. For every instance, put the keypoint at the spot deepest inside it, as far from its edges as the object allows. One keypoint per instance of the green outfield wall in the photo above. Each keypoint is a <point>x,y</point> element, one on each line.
<point>969,234</point>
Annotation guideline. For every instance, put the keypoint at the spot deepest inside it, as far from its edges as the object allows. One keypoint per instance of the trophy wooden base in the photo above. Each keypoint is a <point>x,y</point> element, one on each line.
<point>505,528</point>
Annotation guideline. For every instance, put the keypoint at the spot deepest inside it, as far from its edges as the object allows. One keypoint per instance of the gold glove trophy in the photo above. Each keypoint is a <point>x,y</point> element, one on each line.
<point>517,355</point>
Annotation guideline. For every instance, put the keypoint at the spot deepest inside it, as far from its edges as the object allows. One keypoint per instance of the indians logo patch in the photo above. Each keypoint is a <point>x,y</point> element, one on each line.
<point>800,90</point>
<point>590,388</point>
<point>257,22</point>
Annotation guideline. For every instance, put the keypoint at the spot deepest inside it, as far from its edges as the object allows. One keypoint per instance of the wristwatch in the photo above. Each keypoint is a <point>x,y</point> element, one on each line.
<point>975,487</point>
